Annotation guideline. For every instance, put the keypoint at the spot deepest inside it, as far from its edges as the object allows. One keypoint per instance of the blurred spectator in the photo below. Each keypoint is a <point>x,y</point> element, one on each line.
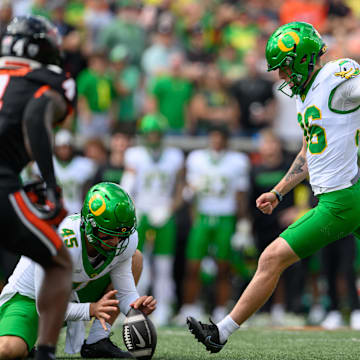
<point>153,177</point>
<point>338,8</point>
<point>152,11</point>
<point>170,94</point>
<point>338,267</point>
<point>95,149</point>
<point>311,11</point>
<point>239,29</point>
<point>156,58</point>
<point>114,167</point>
<point>58,18</point>
<point>212,104</point>
<point>125,29</point>
<point>74,59</point>
<point>6,14</point>
<point>354,5</point>
<point>97,15</point>
<point>74,13</point>
<point>127,81</point>
<point>72,171</point>
<point>190,12</point>
<point>230,64</point>
<point>96,93</point>
<point>255,96</point>
<point>21,7</point>
<point>197,49</point>
<point>219,180</point>
<point>40,7</point>
<point>285,123</point>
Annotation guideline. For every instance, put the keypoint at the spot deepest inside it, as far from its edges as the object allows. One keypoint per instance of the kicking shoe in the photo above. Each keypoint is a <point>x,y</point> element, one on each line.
<point>206,334</point>
<point>103,348</point>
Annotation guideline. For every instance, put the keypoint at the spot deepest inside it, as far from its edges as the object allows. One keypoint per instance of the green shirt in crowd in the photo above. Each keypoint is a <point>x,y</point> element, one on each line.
<point>173,95</point>
<point>130,78</point>
<point>97,89</point>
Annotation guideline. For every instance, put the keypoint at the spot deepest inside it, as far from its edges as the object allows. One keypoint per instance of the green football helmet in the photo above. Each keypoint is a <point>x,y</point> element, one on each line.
<point>153,123</point>
<point>295,46</point>
<point>108,209</point>
<point>152,128</point>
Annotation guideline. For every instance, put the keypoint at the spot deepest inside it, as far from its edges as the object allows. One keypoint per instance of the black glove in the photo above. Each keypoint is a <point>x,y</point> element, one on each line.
<point>55,203</point>
<point>47,201</point>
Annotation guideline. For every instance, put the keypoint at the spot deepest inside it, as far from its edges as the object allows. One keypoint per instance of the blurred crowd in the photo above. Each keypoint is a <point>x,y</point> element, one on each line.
<point>198,63</point>
<point>152,69</point>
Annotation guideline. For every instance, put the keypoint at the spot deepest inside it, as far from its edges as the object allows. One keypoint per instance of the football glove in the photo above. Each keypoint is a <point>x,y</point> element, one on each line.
<point>47,201</point>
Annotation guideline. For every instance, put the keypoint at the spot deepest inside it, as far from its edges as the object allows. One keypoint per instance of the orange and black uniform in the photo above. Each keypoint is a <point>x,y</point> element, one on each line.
<point>23,107</point>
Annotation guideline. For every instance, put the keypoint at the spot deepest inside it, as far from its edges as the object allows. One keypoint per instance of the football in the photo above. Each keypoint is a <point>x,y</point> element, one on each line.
<point>139,334</point>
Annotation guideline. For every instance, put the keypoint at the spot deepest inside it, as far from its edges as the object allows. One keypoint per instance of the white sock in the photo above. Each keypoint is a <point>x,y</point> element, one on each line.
<point>97,332</point>
<point>226,327</point>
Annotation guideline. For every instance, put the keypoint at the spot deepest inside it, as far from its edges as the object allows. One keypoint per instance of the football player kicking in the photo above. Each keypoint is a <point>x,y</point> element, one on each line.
<point>328,102</point>
<point>102,242</point>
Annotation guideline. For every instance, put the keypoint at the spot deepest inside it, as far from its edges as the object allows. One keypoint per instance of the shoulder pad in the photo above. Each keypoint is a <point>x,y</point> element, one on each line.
<point>57,80</point>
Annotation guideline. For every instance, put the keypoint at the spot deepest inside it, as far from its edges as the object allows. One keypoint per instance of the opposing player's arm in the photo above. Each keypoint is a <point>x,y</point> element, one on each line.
<point>40,114</point>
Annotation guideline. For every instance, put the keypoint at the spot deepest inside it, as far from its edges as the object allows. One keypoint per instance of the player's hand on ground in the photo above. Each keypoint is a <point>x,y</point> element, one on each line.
<point>267,202</point>
<point>104,308</point>
<point>146,304</point>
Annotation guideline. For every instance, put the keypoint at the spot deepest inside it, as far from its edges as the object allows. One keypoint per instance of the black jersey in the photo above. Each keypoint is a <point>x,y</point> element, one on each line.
<point>17,87</point>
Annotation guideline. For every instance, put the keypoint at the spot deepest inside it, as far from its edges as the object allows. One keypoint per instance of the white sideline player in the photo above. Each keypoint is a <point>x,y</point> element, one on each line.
<point>153,176</point>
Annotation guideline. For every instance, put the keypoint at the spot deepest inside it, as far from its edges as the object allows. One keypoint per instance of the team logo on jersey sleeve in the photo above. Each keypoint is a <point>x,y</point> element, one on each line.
<point>97,205</point>
<point>348,70</point>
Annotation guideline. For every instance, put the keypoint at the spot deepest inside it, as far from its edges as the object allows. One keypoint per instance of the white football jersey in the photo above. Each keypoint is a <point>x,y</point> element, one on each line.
<point>23,278</point>
<point>216,178</point>
<point>331,135</point>
<point>155,179</point>
<point>72,177</point>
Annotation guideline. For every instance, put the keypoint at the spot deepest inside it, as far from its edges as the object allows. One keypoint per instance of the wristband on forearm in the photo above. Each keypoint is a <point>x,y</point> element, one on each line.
<point>277,194</point>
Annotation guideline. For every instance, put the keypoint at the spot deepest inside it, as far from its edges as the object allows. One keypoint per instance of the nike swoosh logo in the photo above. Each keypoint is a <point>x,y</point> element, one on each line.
<point>141,339</point>
<point>315,86</point>
<point>209,342</point>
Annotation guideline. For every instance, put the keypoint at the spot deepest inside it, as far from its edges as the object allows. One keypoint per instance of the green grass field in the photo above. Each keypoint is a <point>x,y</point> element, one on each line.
<point>256,343</point>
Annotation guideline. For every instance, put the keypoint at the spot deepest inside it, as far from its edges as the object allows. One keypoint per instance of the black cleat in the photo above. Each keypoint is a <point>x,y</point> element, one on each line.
<point>206,334</point>
<point>103,348</point>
